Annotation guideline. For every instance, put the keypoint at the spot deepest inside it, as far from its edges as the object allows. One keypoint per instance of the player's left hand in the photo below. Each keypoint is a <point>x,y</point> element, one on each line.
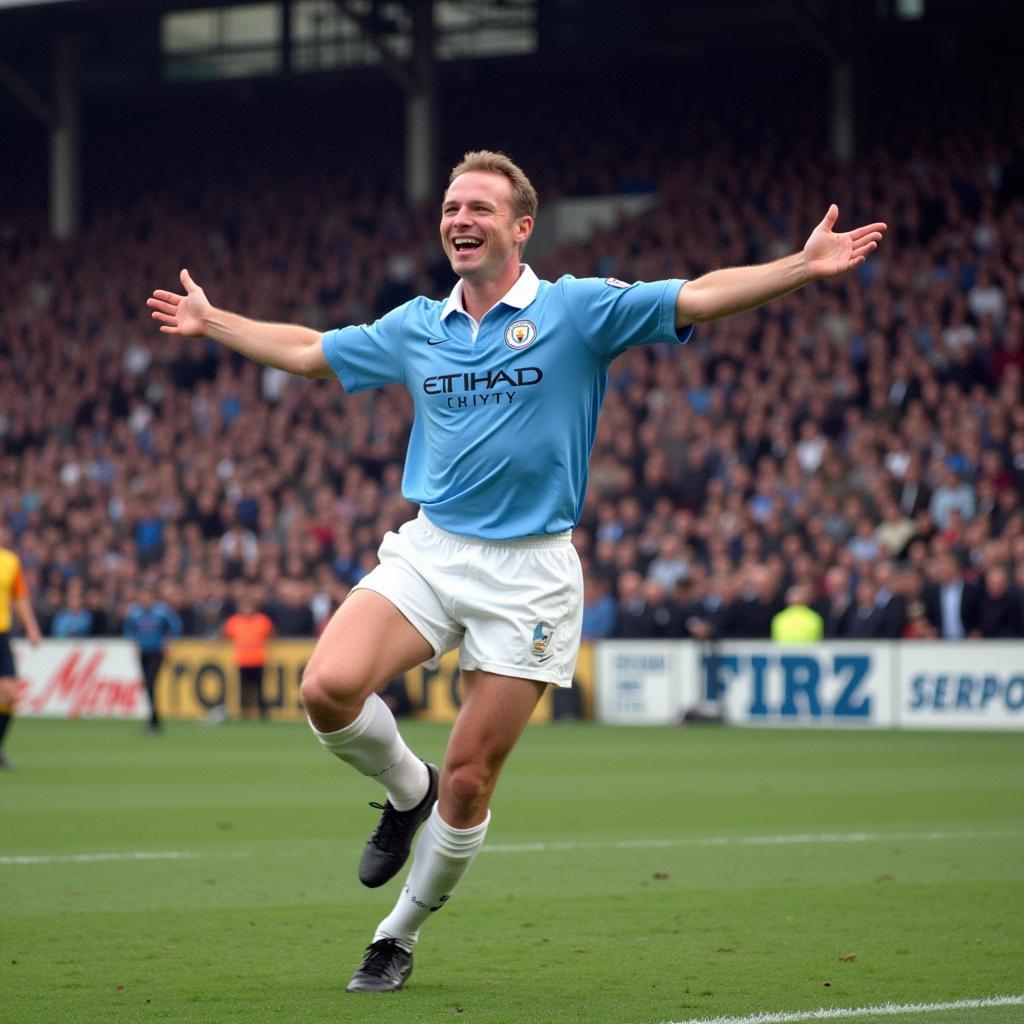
<point>181,314</point>
<point>828,253</point>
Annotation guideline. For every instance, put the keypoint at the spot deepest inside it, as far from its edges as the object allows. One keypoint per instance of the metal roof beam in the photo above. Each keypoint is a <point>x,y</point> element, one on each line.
<point>27,95</point>
<point>395,67</point>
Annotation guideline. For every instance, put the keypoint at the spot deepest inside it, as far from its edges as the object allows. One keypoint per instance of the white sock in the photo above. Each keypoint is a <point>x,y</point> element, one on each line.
<point>373,746</point>
<point>443,855</point>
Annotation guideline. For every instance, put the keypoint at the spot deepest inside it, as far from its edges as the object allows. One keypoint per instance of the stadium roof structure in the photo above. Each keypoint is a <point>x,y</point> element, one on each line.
<point>59,57</point>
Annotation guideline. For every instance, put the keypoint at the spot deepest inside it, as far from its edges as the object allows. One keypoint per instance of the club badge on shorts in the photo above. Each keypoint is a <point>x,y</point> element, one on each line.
<point>520,334</point>
<point>541,638</point>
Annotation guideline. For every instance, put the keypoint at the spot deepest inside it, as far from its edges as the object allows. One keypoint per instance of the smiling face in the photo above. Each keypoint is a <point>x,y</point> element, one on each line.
<point>481,235</point>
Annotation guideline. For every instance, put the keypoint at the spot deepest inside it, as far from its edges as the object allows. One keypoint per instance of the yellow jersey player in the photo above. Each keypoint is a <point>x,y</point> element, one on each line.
<point>13,597</point>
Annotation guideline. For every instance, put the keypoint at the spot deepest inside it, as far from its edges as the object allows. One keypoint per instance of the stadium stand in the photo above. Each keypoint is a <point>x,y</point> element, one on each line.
<point>863,438</point>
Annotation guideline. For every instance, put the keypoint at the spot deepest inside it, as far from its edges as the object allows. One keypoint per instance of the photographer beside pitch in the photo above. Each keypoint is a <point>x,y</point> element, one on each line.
<point>507,377</point>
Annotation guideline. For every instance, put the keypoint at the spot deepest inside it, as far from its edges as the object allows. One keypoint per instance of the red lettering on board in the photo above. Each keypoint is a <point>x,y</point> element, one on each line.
<point>77,682</point>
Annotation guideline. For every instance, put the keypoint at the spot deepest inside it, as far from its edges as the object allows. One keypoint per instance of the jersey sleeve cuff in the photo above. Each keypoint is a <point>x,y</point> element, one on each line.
<point>332,353</point>
<point>681,334</point>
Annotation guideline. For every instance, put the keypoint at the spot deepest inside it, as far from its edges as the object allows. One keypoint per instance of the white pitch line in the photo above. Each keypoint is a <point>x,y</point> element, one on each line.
<point>783,839</point>
<point>97,858</point>
<point>885,1010</point>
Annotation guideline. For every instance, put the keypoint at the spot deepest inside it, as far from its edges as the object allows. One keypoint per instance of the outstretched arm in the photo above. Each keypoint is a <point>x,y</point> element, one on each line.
<point>825,254</point>
<point>23,606</point>
<point>288,347</point>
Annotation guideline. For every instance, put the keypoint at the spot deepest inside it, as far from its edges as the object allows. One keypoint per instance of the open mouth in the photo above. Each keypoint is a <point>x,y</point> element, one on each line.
<point>466,244</point>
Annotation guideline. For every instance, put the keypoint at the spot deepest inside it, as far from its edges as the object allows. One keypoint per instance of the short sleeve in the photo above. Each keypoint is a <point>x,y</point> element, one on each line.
<point>175,627</point>
<point>612,316</point>
<point>367,356</point>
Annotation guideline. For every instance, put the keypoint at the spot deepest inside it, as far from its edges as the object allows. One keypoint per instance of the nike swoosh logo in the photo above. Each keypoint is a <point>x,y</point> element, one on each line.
<point>436,341</point>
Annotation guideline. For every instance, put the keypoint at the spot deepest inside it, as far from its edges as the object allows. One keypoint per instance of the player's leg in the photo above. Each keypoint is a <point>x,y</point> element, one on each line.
<point>367,643</point>
<point>151,662</point>
<point>262,703</point>
<point>8,692</point>
<point>246,694</point>
<point>250,678</point>
<point>8,689</point>
<point>494,713</point>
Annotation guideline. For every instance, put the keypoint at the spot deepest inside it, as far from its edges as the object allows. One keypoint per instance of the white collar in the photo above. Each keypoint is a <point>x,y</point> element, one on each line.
<point>519,296</point>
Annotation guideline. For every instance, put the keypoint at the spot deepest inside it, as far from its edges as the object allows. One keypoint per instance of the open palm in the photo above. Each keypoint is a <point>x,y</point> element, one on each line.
<point>181,314</point>
<point>829,253</point>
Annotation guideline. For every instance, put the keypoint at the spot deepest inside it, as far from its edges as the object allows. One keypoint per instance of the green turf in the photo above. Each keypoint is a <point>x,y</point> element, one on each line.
<point>265,920</point>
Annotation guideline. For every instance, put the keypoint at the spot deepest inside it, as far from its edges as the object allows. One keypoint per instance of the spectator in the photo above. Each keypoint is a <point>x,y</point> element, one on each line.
<point>1000,611</point>
<point>895,531</point>
<point>102,619</point>
<point>952,494</point>
<point>864,545</point>
<point>952,603</point>
<point>670,565</point>
<point>710,611</point>
<point>865,620</point>
<point>914,494</point>
<point>837,603</point>
<point>73,618</point>
<point>327,596</point>
<point>891,603</point>
<point>760,603</point>
<point>599,612</point>
<point>290,610</point>
<point>636,616</point>
<point>239,548</point>
<point>918,627</point>
<point>798,622</point>
<point>207,604</point>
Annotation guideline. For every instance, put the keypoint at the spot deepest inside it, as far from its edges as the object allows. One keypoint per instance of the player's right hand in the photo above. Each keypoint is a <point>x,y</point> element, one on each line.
<point>181,314</point>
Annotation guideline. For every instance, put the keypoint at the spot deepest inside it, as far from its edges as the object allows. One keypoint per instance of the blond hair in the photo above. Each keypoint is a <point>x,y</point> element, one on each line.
<point>524,195</point>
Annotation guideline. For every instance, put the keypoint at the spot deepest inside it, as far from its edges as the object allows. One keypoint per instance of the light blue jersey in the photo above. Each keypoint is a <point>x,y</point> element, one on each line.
<point>505,412</point>
<point>152,627</point>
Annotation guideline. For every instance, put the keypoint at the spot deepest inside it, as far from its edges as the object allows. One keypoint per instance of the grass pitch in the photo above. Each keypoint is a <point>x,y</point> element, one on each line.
<point>630,876</point>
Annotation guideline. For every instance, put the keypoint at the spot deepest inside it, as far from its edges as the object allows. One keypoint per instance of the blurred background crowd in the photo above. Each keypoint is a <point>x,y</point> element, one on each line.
<point>862,440</point>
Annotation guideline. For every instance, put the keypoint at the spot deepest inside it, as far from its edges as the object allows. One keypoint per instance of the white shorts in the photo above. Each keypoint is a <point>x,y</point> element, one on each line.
<point>514,607</point>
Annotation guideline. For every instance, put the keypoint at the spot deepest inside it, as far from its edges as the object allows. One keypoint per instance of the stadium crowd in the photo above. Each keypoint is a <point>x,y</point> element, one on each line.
<point>863,439</point>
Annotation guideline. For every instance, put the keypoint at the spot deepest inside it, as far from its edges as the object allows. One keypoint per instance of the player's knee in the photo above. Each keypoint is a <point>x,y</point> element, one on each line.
<point>310,690</point>
<point>322,690</point>
<point>469,784</point>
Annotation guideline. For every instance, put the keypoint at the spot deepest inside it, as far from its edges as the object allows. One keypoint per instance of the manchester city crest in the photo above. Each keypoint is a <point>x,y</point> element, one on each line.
<point>541,639</point>
<point>520,334</point>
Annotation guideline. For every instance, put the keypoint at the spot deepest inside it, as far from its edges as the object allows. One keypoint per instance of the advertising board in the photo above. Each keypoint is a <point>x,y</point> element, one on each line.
<point>102,678</point>
<point>962,685</point>
<point>80,679</point>
<point>644,682</point>
<point>831,683</point>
